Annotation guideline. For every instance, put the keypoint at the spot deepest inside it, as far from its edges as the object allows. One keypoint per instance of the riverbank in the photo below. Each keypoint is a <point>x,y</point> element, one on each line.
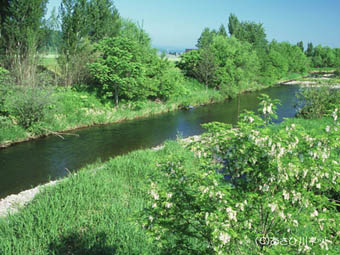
<point>96,211</point>
<point>75,110</point>
<point>12,203</point>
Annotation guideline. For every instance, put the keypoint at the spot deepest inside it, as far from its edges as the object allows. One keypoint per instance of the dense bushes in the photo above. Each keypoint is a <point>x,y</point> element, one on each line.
<point>132,71</point>
<point>317,102</point>
<point>243,60</point>
<point>254,189</point>
<point>323,56</point>
<point>28,104</point>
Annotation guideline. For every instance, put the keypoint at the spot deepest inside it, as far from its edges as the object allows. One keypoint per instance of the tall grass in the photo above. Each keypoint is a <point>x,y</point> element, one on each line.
<point>73,109</point>
<point>92,212</point>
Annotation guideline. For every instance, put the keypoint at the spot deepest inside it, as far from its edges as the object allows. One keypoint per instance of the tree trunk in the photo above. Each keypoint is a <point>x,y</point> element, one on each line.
<point>116,95</point>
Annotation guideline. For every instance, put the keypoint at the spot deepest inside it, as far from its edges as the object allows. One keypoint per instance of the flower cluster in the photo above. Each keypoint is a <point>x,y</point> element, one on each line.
<point>287,178</point>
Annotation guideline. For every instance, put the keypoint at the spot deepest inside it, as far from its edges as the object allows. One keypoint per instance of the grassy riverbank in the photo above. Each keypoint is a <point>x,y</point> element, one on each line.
<point>97,210</point>
<point>72,109</point>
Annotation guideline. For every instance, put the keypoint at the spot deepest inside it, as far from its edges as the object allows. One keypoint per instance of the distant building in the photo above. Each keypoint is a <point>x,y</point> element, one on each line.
<point>188,50</point>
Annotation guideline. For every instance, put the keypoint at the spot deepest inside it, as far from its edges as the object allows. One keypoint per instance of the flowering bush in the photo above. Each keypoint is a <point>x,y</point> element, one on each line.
<point>253,189</point>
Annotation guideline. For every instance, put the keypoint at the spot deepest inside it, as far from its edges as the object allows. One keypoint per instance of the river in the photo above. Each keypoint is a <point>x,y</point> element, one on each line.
<point>26,165</point>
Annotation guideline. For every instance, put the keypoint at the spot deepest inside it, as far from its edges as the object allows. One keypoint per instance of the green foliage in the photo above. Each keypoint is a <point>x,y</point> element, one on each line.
<point>245,31</point>
<point>130,70</point>
<point>119,69</point>
<point>254,190</point>
<point>103,19</point>
<point>233,24</point>
<point>310,49</point>
<point>28,105</point>
<point>73,67</point>
<point>21,32</point>
<point>323,56</point>
<point>237,64</point>
<point>297,61</point>
<point>189,62</point>
<point>206,38</point>
<point>134,31</point>
<point>300,45</point>
<point>317,102</point>
<point>3,75</point>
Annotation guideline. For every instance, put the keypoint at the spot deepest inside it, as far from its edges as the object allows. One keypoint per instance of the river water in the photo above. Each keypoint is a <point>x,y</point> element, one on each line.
<point>26,165</point>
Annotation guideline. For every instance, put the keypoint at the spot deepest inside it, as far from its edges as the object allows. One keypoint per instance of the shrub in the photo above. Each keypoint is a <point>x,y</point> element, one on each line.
<point>317,102</point>
<point>254,191</point>
<point>28,104</point>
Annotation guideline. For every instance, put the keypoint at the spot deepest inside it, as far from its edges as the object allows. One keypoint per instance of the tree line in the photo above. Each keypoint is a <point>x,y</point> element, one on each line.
<point>113,56</point>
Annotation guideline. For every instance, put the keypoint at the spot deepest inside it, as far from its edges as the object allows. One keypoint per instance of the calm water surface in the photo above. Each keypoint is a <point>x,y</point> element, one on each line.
<point>28,164</point>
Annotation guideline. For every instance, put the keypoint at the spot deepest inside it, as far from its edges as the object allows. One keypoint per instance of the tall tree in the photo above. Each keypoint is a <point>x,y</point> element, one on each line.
<point>20,35</point>
<point>300,45</point>
<point>222,31</point>
<point>53,35</point>
<point>233,24</point>
<point>310,50</point>
<point>119,69</point>
<point>206,38</point>
<point>206,68</point>
<point>103,19</point>
<point>73,31</point>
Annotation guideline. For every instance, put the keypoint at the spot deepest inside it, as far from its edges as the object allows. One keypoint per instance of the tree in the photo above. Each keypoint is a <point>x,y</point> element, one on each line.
<point>103,19</point>
<point>237,64</point>
<point>233,24</point>
<point>206,38</point>
<point>73,30</point>
<point>300,45</point>
<point>310,50</point>
<point>205,70</point>
<point>119,69</point>
<point>20,36</point>
<point>222,31</point>
<point>52,34</point>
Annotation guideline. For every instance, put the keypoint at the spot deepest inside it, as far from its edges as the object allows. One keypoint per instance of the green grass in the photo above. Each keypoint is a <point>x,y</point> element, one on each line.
<point>293,76</point>
<point>97,210</point>
<point>50,62</point>
<point>322,69</point>
<point>92,212</point>
<point>74,109</point>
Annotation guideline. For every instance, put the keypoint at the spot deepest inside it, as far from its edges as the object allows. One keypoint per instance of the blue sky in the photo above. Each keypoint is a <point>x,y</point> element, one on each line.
<point>177,24</point>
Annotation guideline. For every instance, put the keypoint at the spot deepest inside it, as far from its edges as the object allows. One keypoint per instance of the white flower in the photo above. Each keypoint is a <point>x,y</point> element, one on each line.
<point>295,222</point>
<point>151,218</point>
<point>282,215</point>
<point>272,207</point>
<point>168,205</point>
<point>307,248</point>
<point>205,190</point>
<point>169,195</point>
<point>154,205</point>
<point>224,238</point>
<point>328,129</point>
<point>154,195</point>
<point>286,195</point>
<point>312,240</point>
<point>324,244</point>
<point>231,214</point>
<point>318,186</point>
<point>314,214</point>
